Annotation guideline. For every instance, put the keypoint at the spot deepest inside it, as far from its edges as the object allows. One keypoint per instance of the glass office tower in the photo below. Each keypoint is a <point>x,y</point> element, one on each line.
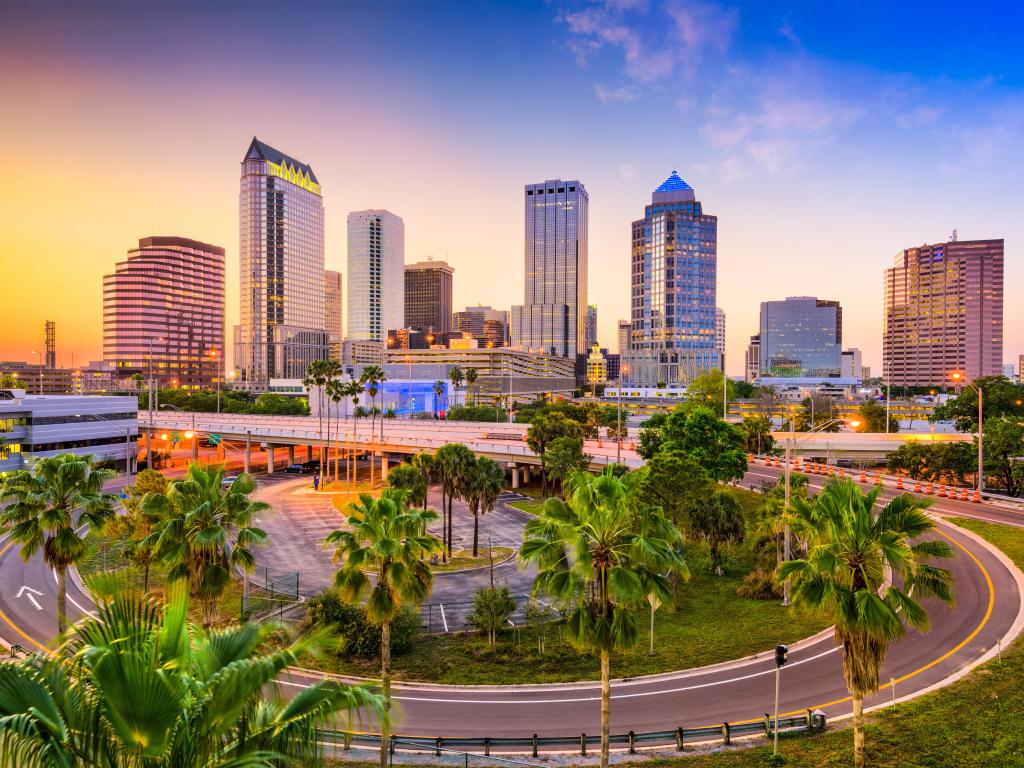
<point>376,274</point>
<point>553,316</point>
<point>428,296</point>
<point>281,255</point>
<point>801,337</point>
<point>674,264</point>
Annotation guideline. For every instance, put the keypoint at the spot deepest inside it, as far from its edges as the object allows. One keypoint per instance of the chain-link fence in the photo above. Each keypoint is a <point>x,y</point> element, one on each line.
<point>272,594</point>
<point>452,616</point>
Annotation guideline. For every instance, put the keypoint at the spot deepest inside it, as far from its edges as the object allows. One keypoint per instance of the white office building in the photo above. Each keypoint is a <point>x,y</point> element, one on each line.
<point>376,274</point>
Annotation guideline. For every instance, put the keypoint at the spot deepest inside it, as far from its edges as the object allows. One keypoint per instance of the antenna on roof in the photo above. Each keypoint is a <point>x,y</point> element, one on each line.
<point>953,237</point>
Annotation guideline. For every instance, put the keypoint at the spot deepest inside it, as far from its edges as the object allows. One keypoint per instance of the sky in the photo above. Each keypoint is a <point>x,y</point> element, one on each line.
<point>824,137</point>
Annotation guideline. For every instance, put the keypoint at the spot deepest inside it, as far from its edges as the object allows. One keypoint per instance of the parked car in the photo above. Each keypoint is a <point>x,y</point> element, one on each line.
<point>228,480</point>
<point>305,468</point>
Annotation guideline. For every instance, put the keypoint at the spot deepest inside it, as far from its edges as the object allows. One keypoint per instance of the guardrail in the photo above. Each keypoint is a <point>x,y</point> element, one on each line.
<point>808,723</point>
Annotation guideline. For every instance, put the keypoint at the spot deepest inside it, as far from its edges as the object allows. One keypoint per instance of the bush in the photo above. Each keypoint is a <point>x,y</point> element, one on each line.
<point>357,636</point>
<point>760,584</point>
<point>475,413</point>
<point>492,608</point>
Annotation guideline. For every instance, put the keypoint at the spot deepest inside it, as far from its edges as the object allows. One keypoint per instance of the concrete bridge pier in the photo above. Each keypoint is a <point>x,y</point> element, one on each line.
<point>515,475</point>
<point>270,459</point>
<point>383,466</point>
<point>248,452</point>
<point>291,454</point>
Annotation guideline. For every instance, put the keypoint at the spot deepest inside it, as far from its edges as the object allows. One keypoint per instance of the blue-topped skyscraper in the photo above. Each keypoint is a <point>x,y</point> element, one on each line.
<point>282,325</point>
<point>553,316</point>
<point>674,266</point>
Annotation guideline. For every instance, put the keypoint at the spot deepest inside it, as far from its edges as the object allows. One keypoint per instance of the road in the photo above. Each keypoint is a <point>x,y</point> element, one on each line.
<point>988,609</point>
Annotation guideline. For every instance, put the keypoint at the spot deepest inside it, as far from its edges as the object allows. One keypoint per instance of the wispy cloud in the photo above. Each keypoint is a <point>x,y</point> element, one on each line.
<point>606,94</point>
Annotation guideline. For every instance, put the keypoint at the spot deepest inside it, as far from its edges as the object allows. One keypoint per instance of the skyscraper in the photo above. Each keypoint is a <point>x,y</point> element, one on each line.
<point>166,300</point>
<point>943,313</point>
<point>487,325</point>
<point>281,255</point>
<point>376,275</point>
<point>591,325</point>
<point>552,317</point>
<point>752,360</point>
<point>720,334</point>
<point>674,263</point>
<point>801,338</point>
<point>333,311</point>
<point>428,296</point>
<point>625,329</point>
<point>51,344</point>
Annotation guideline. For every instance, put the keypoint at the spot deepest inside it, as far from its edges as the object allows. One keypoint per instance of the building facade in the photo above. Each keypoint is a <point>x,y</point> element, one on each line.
<point>376,274</point>
<point>333,308</point>
<point>591,325</point>
<point>625,328</point>
<point>552,319</point>
<point>487,325</point>
<point>37,426</point>
<point>281,258</point>
<point>674,266</point>
<point>164,305</point>
<point>428,296</point>
<point>597,366</point>
<point>720,334</point>
<point>853,364</point>
<point>752,360</point>
<point>801,337</point>
<point>943,313</point>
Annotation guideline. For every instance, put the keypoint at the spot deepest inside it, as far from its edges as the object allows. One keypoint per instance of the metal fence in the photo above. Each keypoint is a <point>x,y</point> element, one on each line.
<point>449,747</point>
<point>272,593</point>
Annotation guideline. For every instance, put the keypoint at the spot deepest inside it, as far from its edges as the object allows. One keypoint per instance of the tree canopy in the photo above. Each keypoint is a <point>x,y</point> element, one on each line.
<point>699,432</point>
<point>1002,398</point>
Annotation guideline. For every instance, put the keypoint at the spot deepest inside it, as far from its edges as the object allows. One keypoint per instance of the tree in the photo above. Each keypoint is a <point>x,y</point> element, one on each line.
<point>136,524</point>
<point>374,377</point>
<point>601,557</point>
<point>353,390</point>
<point>206,529</point>
<point>1002,398</point>
<point>1003,446</point>
<point>935,462</point>
<point>453,464</point>
<point>139,686</point>
<point>815,413</point>
<point>43,503</point>
<point>717,520</point>
<point>471,376</point>
<point>545,428</point>
<point>484,482</point>
<point>438,389</point>
<point>564,456</point>
<point>388,539</point>
<point>757,434</point>
<point>650,435</point>
<point>706,390</point>
<point>872,418</point>
<point>492,608</point>
<point>316,377</point>
<point>851,550</point>
<point>675,482</point>
<point>424,463</point>
<point>456,377</point>
<point>408,478</point>
<point>716,445</point>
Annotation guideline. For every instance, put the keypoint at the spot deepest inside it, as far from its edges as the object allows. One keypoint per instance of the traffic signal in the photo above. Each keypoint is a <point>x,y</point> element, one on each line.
<point>781,655</point>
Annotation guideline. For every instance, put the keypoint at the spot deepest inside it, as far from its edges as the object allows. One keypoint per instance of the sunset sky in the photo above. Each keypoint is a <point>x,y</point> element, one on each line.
<point>824,141</point>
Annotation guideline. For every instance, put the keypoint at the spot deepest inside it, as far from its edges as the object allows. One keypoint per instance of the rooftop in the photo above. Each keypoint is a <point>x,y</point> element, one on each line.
<point>260,151</point>
<point>673,190</point>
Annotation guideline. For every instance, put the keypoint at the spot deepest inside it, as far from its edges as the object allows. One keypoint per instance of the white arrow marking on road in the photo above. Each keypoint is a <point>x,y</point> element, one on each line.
<point>27,591</point>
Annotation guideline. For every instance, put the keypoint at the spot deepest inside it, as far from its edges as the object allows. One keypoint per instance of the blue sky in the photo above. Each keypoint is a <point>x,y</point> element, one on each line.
<point>826,137</point>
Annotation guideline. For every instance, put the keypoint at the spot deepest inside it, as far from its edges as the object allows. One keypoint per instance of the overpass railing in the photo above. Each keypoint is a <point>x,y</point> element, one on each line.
<point>581,743</point>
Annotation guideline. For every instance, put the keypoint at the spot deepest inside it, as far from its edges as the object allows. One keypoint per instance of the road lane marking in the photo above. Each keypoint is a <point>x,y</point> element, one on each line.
<point>14,626</point>
<point>27,591</point>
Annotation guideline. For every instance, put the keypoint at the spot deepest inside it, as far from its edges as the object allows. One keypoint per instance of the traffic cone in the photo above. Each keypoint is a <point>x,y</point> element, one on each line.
<point>942,490</point>
<point>841,472</point>
<point>917,486</point>
<point>863,476</point>
<point>929,489</point>
<point>976,498</point>
<point>878,478</point>
<point>964,495</point>
<point>899,482</point>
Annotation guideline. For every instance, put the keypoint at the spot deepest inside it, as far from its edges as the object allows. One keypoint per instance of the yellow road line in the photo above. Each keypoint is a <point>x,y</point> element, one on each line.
<point>14,626</point>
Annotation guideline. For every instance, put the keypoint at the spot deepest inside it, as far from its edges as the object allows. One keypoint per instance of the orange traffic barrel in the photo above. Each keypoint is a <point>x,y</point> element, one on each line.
<point>899,482</point>
<point>976,498</point>
<point>863,476</point>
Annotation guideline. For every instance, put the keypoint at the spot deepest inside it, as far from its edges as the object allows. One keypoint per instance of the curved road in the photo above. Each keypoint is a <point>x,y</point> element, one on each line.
<point>988,608</point>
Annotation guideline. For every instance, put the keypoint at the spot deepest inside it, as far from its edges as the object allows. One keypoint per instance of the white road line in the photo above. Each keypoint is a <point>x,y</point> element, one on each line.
<point>74,602</point>
<point>441,605</point>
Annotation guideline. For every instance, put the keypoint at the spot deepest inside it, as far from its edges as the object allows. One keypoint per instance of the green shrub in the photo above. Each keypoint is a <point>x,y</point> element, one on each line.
<point>356,636</point>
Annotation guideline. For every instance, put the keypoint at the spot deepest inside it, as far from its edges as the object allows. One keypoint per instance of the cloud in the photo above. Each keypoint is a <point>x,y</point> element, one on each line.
<point>919,116</point>
<point>787,31</point>
<point>657,40</point>
<point>624,94</point>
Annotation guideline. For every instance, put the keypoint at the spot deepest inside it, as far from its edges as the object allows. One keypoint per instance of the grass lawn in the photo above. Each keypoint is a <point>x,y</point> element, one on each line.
<point>709,624</point>
<point>530,506</point>
<point>463,558</point>
<point>977,722</point>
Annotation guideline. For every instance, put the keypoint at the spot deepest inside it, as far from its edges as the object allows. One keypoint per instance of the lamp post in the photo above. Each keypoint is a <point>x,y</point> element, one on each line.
<point>149,435</point>
<point>957,376</point>
<point>192,434</point>
<point>623,368</point>
<point>218,375</point>
<point>787,552</point>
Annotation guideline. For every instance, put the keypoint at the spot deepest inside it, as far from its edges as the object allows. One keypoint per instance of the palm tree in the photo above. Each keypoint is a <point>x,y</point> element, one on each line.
<point>389,540</point>
<point>456,377</point>
<point>424,462</point>
<point>484,483</point>
<point>139,686</point>
<point>602,557</point>
<point>852,548</point>
<point>316,376</point>
<point>206,530</point>
<point>337,391</point>
<point>354,390</point>
<point>471,374</point>
<point>438,388</point>
<point>453,463</point>
<point>373,375</point>
<point>43,503</point>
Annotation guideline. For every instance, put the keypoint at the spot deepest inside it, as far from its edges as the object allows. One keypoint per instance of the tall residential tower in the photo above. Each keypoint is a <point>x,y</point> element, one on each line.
<point>281,255</point>
<point>428,296</point>
<point>553,317</point>
<point>376,274</point>
<point>674,264</point>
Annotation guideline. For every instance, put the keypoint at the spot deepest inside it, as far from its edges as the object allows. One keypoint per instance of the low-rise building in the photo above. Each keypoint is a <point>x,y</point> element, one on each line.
<point>33,426</point>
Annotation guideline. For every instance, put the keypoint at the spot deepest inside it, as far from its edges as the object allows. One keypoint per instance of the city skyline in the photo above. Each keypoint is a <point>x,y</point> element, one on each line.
<point>817,168</point>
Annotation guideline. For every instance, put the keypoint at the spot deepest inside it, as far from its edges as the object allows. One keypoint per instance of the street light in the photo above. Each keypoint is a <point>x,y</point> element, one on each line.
<point>623,368</point>
<point>190,435</point>
<point>218,376</point>
<point>787,552</point>
<point>958,376</point>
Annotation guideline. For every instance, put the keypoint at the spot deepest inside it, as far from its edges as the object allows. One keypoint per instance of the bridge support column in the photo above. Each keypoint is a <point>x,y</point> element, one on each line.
<point>270,459</point>
<point>526,474</point>
<point>291,454</point>
<point>309,453</point>
<point>248,452</point>
<point>515,476</point>
<point>384,466</point>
